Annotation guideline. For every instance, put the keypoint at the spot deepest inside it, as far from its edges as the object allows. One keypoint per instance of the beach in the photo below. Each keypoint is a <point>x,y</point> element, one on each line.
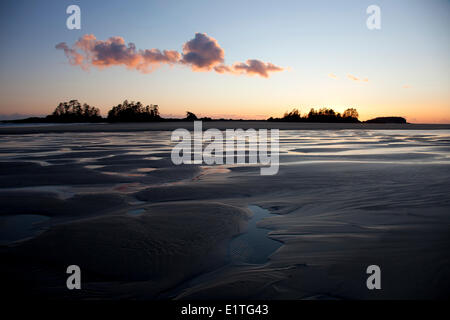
<point>108,198</point>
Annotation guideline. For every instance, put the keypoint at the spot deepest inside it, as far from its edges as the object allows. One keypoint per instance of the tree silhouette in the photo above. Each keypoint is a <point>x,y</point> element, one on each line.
<point>321,115</point>
<point>190,116</point>
<point>133,112</point>
<point>294,115</point>
<point>73,111</point>
<point>350,113</point>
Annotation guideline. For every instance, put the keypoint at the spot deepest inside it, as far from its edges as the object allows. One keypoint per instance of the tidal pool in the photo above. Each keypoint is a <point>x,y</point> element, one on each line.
<point>253,246</point>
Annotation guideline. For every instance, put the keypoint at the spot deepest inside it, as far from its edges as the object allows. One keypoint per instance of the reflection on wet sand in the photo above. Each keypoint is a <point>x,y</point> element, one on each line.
<point>342,199</point>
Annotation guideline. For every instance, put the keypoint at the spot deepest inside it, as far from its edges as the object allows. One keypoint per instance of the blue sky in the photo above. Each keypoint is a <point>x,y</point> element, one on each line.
<point>406,63</point>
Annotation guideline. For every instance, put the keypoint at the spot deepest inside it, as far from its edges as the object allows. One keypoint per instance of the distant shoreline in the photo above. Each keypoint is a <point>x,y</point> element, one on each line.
<point>222,125</point>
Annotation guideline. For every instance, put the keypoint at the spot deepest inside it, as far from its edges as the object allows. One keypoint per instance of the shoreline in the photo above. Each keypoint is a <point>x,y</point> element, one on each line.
<point>221,125</point>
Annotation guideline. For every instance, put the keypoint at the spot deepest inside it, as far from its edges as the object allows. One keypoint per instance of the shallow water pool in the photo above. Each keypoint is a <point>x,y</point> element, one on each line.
<point>253,246</point>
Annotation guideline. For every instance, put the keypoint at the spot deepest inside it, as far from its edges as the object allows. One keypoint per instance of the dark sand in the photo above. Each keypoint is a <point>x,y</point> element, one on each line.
<point>342,200</point>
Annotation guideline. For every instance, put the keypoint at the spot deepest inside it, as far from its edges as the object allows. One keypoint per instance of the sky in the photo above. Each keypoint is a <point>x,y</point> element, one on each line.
<point>232,59</point>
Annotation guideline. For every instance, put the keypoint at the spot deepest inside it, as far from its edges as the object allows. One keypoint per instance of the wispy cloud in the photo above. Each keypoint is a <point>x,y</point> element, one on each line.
<point>356,79</point>
<point>333,76</point>
<point>256,67</point>
<point>202,53</point>
<point>74,57</point>
<point>250,67</point>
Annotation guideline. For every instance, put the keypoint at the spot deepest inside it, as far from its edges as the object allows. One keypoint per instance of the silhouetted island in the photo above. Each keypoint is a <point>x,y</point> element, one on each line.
<point>387,120</point>
<point>322,115</point>
<point>74,112</point>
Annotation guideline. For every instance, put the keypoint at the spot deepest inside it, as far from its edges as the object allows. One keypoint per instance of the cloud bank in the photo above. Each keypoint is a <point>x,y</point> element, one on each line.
<point>202,53</point>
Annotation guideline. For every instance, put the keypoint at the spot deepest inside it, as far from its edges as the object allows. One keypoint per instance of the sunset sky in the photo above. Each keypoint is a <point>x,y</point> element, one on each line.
<point>233,59</point>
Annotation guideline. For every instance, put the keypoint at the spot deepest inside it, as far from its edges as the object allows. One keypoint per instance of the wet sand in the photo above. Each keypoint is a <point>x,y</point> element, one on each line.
<point>342,200</point>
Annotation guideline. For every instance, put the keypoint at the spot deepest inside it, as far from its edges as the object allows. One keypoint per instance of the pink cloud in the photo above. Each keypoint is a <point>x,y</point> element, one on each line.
<point>223,69</point>
<point>202,53</point>
<point>75,58</point>
<point>88,51</point>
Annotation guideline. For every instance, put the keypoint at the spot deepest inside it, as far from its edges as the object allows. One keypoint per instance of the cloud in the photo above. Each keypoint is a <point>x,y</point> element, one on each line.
<point>74,57</point>
<point>354,78</point>
<point>406,86</point>
<point>333,76</point>
<point>114,51</point>
<point>88,51</point>
<point>256,67</point>
<point>223,69</point>
<point>251,67</point>
<point>167,56</point>
<point>202,53</point>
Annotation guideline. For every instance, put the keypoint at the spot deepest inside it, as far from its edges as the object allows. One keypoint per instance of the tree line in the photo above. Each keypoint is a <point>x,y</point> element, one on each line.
<point>321,115</point>
<point>127,111</point>
<point>130,111</point>
<point>73,111</point>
